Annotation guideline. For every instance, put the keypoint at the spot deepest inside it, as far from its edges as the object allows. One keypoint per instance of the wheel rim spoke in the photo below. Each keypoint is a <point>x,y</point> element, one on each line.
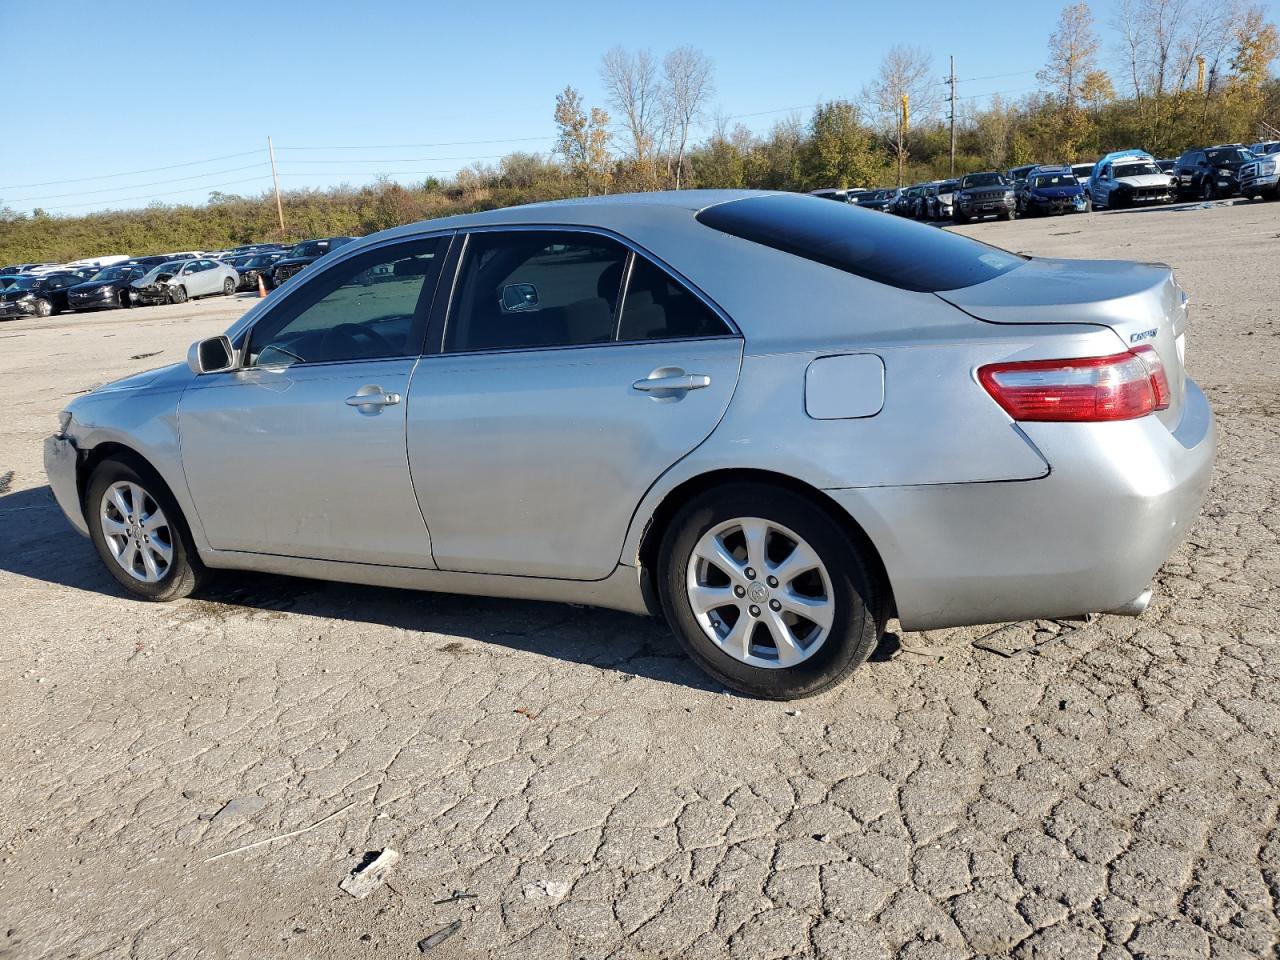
<point>802,559</point>
<point>737,642</point>
<point>818,610</point>
<point>755,533</point>
<point>789,651</point>
<point>713,551</point>
<point>705,599</point>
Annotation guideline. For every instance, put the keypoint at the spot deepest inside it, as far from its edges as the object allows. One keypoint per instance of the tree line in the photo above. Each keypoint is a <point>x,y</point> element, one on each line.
<point>1181,73</point>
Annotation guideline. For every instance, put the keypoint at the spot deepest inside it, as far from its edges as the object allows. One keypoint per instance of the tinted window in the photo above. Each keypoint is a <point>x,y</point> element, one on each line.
<point>536,289</point>
<point>982,180</point>
<point>657,307</point>
<point>373,305</point>
<point>888,250</point>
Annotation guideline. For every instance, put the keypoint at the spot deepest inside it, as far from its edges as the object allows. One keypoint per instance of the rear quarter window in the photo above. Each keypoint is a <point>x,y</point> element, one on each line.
<point>886,249</point>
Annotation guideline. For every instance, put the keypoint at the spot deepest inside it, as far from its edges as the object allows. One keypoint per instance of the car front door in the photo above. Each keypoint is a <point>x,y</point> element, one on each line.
<point>569,374</point>
<point>301,451</point>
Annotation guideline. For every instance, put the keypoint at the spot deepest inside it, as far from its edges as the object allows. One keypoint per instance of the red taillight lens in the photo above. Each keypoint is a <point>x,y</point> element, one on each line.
<point>1122,386</point>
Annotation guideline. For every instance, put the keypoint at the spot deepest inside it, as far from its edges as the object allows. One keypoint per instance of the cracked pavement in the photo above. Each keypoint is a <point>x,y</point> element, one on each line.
<point>1108,791</point>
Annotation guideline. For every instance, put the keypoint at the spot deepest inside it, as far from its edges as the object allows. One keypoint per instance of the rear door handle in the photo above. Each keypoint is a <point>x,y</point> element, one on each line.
<point>680,382</point>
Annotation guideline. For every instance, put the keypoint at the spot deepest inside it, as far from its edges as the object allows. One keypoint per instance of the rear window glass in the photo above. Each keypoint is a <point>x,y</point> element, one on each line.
<point>889,250</point>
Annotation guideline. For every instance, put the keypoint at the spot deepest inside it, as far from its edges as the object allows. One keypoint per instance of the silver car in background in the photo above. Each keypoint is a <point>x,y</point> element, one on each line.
<point>774,420</point>
<point>180,280</point>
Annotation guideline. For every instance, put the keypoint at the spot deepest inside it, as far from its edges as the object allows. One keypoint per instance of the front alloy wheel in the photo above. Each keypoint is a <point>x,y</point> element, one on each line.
<point>136,532</point>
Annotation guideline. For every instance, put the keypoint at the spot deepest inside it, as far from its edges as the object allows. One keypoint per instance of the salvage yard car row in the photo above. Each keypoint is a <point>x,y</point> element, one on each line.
<point>118,282</point>
<point>1120,179</point>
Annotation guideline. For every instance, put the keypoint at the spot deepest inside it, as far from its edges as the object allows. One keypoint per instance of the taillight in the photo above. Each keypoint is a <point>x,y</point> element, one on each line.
<point>1119,387</point>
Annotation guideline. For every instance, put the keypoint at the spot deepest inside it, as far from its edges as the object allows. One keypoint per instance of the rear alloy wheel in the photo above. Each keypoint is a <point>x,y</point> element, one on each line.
<point>766,593</point>
<point>177,294</point>
<point>139,531</point>
<point>228,287</point>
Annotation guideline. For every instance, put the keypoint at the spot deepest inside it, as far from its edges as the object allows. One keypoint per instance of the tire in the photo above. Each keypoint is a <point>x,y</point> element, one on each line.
<point>228,287</point>
<point>183,572</point>
<point>1207,190</point>
<point>1088,204</point>
<point>1005,215</point>
<point>123,300</point>
<point>44,308</point>
<point>959,218</point>
<point>845,588</point>
<point>177,294</point>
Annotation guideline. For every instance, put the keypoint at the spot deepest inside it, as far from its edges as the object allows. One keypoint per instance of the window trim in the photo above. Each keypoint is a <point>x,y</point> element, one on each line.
<point>438,325</point>
<point>244,338</point>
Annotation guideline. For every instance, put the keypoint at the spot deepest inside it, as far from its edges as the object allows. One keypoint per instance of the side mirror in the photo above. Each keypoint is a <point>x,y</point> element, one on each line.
<point>213,355</point>
<point>519,297</point>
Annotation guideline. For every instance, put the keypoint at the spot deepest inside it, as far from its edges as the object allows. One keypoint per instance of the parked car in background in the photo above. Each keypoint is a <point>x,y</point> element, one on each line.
<point>180,280</point>
<point>7,279</point>
<point>1129,178</point>
<point>1265,148</point>
<point>36,295</point>
<point>1082,172</point>
<point>986,438</point>
<point>300,256</point>
<point>1260,177</point>
<point>1051,190</point>
<point>96,263</point>
<point>1211,172</point>
<point>941,200</point>
<point>107,289</point>
<point>148,261</point>
<point>1018,175</point>
<point>254,264</point>
<point>876,199</point>
<point>1167,165</point>
<point>986,194</point>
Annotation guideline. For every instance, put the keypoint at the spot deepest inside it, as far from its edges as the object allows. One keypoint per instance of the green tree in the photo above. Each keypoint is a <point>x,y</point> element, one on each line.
<point>839,151</point>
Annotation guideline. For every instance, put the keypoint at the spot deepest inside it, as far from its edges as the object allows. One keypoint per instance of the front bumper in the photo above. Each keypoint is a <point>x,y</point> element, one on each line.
<point>1088,537</point>
<point>93,303</point>
<point>12,309</point>
<point>149,295</point>
<point>1263,184</point>
<point>978,208</point>
<point>61,459</point>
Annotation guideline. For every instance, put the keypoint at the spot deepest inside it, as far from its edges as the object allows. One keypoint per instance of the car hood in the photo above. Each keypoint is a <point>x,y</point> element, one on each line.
<point>151,279</point>
<point>11,294</point>
<point>292,261</point>
<point>175,374</point>
<point>1145,180</point>
<point>93,286</point>
<point>1056,192</point>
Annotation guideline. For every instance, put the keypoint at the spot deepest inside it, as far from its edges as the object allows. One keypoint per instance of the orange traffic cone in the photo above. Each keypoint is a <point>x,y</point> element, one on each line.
<point>262,288</point>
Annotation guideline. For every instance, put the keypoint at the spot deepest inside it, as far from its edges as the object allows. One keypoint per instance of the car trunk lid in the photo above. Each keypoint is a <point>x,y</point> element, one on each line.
<point>1141,302</point>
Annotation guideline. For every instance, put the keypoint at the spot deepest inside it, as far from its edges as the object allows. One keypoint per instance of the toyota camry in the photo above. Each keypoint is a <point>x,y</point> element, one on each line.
<point>775,421</point>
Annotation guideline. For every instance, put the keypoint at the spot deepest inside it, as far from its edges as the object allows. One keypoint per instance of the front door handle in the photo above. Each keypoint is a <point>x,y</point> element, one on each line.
<point>672,383</point>
<point>375,397</point>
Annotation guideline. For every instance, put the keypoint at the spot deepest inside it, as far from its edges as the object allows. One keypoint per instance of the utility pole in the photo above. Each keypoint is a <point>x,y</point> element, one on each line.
<point>952,81</point>
<point>904,122</point>
<point>1200,73</point>
<point>275,178</point>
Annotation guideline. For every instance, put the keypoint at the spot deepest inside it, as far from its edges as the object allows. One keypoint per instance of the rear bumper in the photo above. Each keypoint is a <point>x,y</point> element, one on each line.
<point>1088,537</point>
<point>60,461</point>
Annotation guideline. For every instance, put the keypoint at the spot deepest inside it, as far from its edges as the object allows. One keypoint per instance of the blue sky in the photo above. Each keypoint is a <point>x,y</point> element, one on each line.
<point>201,85</point>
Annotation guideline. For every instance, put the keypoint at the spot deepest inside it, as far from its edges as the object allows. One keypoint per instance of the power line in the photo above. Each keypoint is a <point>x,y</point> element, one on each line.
<point>475,156</point>
<point>130,173</point>
<point>990,76</point>
<point>136,186</point>
<point>415,146</point>
<point>157,196</point>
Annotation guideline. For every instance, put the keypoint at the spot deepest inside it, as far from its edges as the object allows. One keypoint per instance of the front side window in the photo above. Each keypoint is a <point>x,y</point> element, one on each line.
<point>371,306</point>
<point>535,289</point>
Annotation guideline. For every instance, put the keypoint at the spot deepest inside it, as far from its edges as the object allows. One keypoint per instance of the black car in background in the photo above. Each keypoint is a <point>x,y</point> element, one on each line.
<point>107,290</point>
<point>876,199</point>
<point>36,295</point>
<point>252,265</point>
<point>301,255</point>
<point>1211,172</point>
<point>147,262</point>
<point>984,194</point>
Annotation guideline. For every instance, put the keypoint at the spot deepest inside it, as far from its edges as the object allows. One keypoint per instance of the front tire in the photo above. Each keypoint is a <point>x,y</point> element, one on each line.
<point>44,309</point>
<point>1207,190</point>
<point>139,532</point>
<point>766,593</point>
<point>177,294</point>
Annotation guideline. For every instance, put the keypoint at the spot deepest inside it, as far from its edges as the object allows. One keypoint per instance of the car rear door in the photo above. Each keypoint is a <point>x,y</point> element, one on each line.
<point>569,374</point>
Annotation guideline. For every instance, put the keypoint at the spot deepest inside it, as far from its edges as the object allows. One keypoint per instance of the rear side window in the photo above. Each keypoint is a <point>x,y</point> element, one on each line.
<point>659,308</point>
<point>888,250</point>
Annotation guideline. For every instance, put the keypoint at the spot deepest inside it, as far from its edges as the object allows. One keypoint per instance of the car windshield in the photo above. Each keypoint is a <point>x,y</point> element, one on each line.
<point>1139,168</point>
<point>1230,155</point>
<point>982,180</point>
<point>1055,180</point>
<point>947,187</point>
<point>261,260</point>
<point>888,250</point>
<point>310,248</point>
<point>115,273</point>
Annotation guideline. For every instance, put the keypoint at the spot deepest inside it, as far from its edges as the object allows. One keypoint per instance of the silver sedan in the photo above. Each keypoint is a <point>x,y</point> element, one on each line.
<point>773,420</point>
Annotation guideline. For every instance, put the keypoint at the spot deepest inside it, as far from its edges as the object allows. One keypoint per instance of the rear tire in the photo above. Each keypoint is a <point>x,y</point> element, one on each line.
<point>839,583</point>
<point>228,287</point>
<point>109,527</point>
